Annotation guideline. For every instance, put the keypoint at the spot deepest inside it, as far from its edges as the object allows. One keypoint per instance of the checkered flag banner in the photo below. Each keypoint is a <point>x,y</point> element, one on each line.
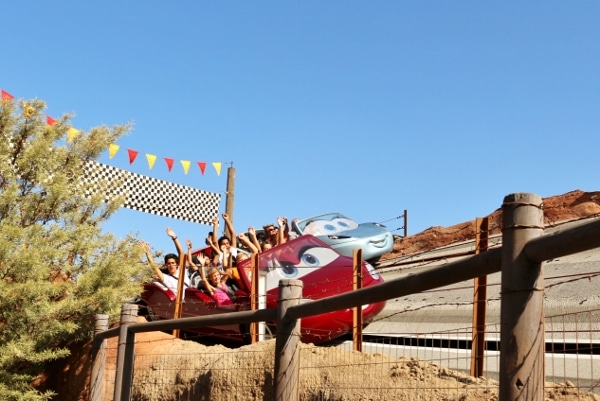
<point>150,195</point>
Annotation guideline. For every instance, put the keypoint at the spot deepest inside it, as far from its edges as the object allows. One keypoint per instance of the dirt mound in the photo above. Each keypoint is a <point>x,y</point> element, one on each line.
<point>570,206</point>
<point>245,374</point>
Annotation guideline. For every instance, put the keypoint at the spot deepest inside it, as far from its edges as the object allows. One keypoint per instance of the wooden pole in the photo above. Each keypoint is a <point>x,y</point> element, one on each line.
<point>180,292</point>
<point>479,302</point>
<point>287,343</point>
<point>98,360</point>
<point>357,318</point>
<point>128,316</point>
<point>229,196</point>
<point>522,337</point>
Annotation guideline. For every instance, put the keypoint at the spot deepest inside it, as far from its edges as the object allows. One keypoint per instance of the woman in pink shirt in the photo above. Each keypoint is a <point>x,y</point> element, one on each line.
<point>219,291</point>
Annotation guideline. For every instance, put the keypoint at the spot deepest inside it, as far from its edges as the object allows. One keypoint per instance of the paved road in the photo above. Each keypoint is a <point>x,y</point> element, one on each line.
<point>572,284</point>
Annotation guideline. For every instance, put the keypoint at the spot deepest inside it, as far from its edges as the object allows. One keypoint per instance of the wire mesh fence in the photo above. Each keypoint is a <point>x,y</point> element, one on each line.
<point>399,366</point>
<point>412,360</point>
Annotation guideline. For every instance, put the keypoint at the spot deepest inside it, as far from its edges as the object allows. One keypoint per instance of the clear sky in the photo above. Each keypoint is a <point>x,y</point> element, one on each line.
<point>366,108</point>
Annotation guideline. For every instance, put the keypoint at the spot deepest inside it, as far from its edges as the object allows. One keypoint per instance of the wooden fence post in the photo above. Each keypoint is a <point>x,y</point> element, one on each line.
<point>124,367</point>
<point>287,343</point>
<point>522,337</point>
<point>98,360</point>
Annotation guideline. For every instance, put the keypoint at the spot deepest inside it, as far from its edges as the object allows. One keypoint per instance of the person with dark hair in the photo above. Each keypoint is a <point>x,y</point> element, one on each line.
<point>169,276</point>
<point>196,266</point>
<point>276,235</point>
<point>227,246</point>
<point>272,234</point>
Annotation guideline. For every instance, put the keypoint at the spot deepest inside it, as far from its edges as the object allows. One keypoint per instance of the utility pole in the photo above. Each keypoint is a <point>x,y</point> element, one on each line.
<point>229,196</point>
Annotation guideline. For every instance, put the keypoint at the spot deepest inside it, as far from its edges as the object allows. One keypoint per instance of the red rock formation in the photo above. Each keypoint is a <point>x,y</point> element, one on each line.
<point>570,206</point>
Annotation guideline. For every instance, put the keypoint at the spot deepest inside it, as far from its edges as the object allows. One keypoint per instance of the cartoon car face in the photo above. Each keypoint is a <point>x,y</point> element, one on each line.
<point>345,235</point>
<point>322,270</point>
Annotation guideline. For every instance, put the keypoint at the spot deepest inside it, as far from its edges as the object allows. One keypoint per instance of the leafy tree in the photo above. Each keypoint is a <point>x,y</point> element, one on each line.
<point>57,267</point>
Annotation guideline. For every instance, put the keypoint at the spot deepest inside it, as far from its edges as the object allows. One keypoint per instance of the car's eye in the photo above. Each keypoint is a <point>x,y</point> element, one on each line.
<point>317,257</point>
<point>329,228</point>
<point>309,260</point>
<point>288,270</point>
<point>344,223</point>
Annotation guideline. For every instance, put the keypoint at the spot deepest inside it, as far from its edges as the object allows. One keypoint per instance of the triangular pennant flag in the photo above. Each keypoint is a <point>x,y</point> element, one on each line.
<point>202,166</point>
<point>72,133</point>
<point>50,121</point>
<point>217,166</point>
<point>113,149</point>
<point>186,165</point>
<point>169,163</point>
<point>6,95</point>
<point>132,155</point>
<point>151,160</point>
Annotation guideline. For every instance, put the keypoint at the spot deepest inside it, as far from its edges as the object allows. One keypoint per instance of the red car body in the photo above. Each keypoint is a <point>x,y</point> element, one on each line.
<point>323,271</point>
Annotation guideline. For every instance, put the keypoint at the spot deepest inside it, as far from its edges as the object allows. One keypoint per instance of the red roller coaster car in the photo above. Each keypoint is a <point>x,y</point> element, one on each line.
<point>323,271</point>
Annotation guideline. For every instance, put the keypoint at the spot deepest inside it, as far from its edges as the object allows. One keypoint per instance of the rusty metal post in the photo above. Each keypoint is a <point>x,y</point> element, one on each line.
<point>357,317</point>
<point>479,302</point>
<point>254,294</point>
<point>287,343</point>
<point>522,337</point>
<point>124,369</point>
<point>98,360</point>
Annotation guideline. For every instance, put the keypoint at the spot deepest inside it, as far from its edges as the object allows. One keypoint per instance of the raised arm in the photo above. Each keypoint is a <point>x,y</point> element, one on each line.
<point>217,252</point>
<point>286,232</point>
<point>215,231</point>
<point>248,244</point>
<point>252,234</point>
<point>230,229</point>
<point>189,255</point>
<point>157,272</point>
<point>281,233</point>
<point>178,246</point>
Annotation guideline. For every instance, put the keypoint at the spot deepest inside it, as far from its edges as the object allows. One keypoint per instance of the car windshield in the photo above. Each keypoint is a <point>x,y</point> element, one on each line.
<point>326,224</point>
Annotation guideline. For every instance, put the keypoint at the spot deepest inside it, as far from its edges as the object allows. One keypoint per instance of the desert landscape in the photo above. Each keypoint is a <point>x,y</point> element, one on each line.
<point>328,370</point>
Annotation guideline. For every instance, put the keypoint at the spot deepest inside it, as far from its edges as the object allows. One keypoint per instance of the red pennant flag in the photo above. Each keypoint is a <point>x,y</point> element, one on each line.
<point>169,163</point>
<point>6,95</point>
<point>132,155</point>
<point>202,166</point>
<point>50,120</point>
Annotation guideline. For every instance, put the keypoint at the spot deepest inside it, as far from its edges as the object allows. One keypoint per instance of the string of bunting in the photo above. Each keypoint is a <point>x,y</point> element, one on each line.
<point>132,154</point>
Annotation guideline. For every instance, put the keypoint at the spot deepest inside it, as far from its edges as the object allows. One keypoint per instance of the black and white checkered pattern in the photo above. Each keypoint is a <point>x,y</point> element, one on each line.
<point>150,195</point>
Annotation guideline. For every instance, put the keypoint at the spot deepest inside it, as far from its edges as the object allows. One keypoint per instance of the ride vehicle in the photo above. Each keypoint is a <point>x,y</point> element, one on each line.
<point>323,271</point>
<point>345,235</point>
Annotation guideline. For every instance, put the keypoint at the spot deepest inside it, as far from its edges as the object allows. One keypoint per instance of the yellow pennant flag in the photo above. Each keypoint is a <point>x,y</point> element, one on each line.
<point>113,149</point>
<point>217,166</point>
<point>186,165</point>
<point>72,133</point>
<point>151,160</point>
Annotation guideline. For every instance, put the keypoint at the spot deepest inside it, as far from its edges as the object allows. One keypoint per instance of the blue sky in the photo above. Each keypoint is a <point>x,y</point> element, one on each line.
<point>368,108</point>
